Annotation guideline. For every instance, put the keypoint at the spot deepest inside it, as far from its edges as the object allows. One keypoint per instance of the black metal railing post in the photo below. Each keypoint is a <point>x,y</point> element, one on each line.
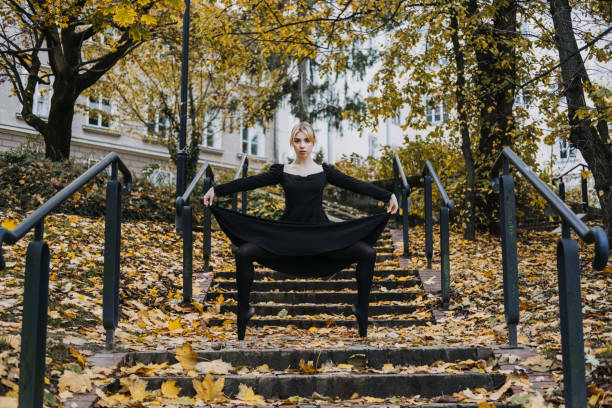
<point>572,342</point>
<point>428,218</point>
<point>405,226</point>
<point>444,254</point>
<point>245,170</point>
<point>509,252</point>
<point>112,257</point>
<point>585,193</point>
<point>34,323</point>
<point>187,220</point>
<point>562,189</point>
<point>207,229</point>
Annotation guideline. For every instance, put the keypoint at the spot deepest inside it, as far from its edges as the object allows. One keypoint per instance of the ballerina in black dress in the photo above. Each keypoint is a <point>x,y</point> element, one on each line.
<point>303,242</point>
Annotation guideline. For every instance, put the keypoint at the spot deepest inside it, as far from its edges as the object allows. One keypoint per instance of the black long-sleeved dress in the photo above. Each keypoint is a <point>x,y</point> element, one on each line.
<point>303,234</point>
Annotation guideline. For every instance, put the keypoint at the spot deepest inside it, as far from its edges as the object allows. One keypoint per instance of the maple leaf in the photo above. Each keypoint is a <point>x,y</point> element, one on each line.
<point>247,394</point>
<point>9,224</point>
<point>214,367</point>
<point>169,389</point>
<point>74,382</point>
<point>186,356</point>
<point>174,324</point>
<point>209,391</point>
<point>124,16</point>
<point>138,389</point>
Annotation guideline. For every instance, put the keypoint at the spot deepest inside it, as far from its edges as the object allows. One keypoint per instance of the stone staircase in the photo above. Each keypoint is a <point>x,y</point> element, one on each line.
<point>330,376</point>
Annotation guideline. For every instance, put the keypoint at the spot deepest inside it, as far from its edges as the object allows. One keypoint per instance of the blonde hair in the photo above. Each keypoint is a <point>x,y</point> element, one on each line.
<point>305,129</point>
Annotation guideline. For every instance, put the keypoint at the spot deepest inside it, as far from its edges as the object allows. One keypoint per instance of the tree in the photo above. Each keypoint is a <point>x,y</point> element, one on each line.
<point>69,45</point>
<point>588,126</point>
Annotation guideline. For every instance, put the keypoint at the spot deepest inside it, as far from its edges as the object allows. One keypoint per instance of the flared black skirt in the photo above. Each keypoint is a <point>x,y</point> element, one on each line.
<point>301,248</point>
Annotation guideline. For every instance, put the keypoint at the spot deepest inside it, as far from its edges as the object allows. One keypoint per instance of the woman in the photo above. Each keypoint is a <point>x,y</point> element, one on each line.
<point>303,242</point>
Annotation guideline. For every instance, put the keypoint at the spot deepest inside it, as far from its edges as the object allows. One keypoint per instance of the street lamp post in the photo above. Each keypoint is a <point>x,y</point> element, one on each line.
<point>181,157</point>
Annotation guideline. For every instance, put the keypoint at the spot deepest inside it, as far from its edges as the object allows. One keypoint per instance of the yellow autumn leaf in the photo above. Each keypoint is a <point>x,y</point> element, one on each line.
<point>148,20</point>
<point>79,357</point>
<point>169,389</point>
<point>137,389</point>
<point>9,224</point>
<point>74,382</point>
<point>209,391</point>
<point>125,16</point>
<point>307,368</point>
<point>174,324</point>
<point>186,356</point>
<point>388,367</point>
<point>247,394</point>
<point>8,402</point>
<point>76,196</point>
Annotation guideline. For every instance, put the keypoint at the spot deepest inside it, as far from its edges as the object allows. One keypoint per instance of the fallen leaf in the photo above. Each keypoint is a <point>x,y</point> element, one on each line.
<point>209,391</point>
<point>138,389</point>
<point>247,394</point>
<point>169,389</point>
<point>214,367</point>
<point>77,383</point>
<point>186,356</point>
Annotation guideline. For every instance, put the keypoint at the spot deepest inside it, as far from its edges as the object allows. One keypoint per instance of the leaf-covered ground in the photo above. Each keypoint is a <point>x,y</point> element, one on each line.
<point>152,316</point>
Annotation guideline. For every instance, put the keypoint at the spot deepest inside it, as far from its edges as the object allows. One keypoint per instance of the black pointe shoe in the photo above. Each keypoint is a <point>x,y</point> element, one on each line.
<point>362,320</point>
<point>241,321</point>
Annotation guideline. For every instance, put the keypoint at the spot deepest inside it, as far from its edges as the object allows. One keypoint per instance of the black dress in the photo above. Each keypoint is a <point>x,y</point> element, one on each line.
<point>303,234</point>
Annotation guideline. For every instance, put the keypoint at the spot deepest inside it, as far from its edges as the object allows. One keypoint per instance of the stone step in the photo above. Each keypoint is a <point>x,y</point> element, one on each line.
<point>343,385</point>
<point>307,285</point>
<point>343,274</point>
<point>334,309</point>
<point>303,323</point>
<point>315,297</point>
<point>281,358</point>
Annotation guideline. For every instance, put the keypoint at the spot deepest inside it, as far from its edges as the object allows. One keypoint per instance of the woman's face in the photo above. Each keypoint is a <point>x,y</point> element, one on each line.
<point>302,145</point>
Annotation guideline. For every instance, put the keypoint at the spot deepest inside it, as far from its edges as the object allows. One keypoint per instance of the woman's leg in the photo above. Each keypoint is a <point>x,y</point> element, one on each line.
<point>365,255</point>
<point>245,255</point>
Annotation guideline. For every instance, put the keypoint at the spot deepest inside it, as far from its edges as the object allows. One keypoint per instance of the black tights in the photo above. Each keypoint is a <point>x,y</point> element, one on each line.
<point>362,252</point>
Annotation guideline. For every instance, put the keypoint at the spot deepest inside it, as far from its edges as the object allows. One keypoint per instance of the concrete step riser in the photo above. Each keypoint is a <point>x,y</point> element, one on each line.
<point>285,286</point>
<point>313,297</point>
<point>296,310</point>
<point>343,385</point>
<point>344,274</point>
<point>280,359</point>
<point>308,323</point>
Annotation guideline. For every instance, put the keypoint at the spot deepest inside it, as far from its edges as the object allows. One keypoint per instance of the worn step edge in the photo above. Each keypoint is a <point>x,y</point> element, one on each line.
<point>307,323</point>
<point>281,358</point>
<point>344,385</point>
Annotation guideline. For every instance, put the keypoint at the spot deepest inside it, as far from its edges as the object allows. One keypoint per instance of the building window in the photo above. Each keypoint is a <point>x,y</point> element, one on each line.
<point>159,125</point>
<point>566,149</point>
<point>435,114</point>
<point>252,140</point>
<point>211,135</point>
<point>396,118</point>
<point>99,111</point>
<point>42,101</point>
<point>371,145</point>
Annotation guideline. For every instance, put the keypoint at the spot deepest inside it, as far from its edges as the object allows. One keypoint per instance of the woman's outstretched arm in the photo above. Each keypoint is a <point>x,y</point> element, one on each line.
<point>267,178</point>
<point>337,178</point>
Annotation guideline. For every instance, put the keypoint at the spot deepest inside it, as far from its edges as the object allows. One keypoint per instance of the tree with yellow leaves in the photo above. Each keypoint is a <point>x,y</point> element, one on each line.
<point>69,46</point>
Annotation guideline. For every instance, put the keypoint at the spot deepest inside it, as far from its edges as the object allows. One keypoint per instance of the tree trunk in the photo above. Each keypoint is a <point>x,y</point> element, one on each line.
<point>593,142</point>
<point>302,113</point>
<point>466,145</point>
<point>496,82</point>
<point>61,114</point>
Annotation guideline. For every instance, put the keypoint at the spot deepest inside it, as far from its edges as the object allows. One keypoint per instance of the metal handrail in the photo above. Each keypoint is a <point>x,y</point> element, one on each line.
<point>596,235</point>
<point>36,279</point>
<point>184,217</point>
<point>445,200</point>
<point>447,211</point>
<point>569,171</point>
<point>402,191</point>
<point>14,235</point>
<point>568,270</point>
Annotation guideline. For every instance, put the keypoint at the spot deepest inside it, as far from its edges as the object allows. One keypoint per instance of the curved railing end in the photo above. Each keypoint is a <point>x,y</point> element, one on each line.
<point>602,247</point>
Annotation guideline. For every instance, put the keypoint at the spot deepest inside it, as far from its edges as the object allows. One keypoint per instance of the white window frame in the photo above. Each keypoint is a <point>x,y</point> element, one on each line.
<point>256,134</point>
<point>99,123</point>
<point>436,114</point>
<point>160,124</point>
<point>212,127</point>
<point>42,109</point>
